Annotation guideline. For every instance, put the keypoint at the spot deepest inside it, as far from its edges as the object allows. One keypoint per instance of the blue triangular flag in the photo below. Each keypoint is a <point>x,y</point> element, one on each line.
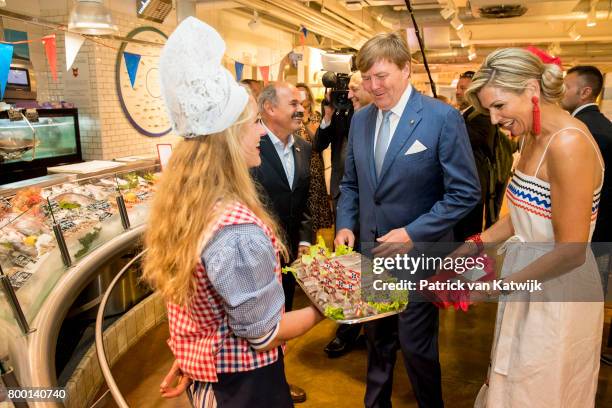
<point>6,56</point>
<point>131,63</point>
<point>239,66</point>
<point>305,31</point>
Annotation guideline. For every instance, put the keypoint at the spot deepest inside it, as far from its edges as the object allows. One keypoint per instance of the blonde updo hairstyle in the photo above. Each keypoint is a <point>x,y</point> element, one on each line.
<point>511,69</point>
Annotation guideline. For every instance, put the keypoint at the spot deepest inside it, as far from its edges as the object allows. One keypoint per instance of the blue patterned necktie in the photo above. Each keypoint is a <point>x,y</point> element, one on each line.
<point>382,142</point>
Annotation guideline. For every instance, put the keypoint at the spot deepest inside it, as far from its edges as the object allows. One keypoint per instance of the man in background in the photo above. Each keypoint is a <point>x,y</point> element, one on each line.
<point>334,130</point>
<point>583,84</point>
<point>284,174</point>
<point>493,155</point>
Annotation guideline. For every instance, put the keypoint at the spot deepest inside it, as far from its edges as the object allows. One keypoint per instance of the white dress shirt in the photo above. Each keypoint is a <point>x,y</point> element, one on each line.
<point>578,109</point>
<point>394,118</point>
<point>285,154</point>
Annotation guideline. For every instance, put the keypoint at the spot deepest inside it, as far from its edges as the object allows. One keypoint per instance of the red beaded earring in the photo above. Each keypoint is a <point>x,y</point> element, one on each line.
<point>537,123</point>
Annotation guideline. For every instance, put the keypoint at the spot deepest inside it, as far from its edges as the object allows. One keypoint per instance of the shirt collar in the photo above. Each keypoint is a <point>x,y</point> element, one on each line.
<point>399,107</point>
<point>276,141</point>
<point>586,105</point>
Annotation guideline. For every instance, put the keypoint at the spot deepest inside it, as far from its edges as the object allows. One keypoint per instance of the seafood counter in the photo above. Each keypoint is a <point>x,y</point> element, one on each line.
<point>52,242</point>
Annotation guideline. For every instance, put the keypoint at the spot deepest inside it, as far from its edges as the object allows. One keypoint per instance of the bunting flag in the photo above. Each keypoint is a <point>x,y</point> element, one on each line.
<point>6,56</point>
<point>319,39</point>
<point>239,67</point>
<point>265,72</point>
<point>51,51</point>
<point>73,44</point>
<point>131,63</point>
<point>305,31</point>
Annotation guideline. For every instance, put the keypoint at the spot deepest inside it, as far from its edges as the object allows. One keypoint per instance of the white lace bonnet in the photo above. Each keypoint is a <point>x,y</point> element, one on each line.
<point>201,96</point>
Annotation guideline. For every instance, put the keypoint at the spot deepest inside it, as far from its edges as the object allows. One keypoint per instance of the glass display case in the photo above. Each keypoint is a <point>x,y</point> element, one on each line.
<point>27,148</point>
<point>43,231</point>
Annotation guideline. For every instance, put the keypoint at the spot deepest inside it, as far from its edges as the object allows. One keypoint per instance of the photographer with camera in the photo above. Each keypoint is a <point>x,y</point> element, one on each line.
<point>346,96</point>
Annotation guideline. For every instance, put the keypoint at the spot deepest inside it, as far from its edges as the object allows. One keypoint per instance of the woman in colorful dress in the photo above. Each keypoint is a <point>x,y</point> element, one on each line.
<point>319,203</point>
<point>213,251</point>
<point>547,343</point>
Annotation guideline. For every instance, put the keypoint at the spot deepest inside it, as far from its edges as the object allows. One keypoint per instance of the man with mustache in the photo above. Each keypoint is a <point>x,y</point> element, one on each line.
<point>284,174</point>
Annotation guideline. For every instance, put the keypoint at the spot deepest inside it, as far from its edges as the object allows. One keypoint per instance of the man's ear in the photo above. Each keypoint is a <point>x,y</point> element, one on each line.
<point>268,107</point>
<point>586,92</point>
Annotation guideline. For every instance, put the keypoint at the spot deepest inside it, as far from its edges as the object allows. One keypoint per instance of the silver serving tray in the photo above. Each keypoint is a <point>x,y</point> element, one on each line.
<point>364,319</point>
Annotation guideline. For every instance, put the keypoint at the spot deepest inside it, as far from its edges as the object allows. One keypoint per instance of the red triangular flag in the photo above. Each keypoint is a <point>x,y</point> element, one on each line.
<point>265,72</point>
<point>51,51</point>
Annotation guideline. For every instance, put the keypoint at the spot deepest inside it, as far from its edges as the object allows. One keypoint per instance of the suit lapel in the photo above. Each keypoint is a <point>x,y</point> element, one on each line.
<point>404,131</point>
<point>369,143</point>
<point>268,151</point>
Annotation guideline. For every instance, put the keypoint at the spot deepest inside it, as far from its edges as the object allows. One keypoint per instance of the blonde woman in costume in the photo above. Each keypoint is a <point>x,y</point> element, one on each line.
<point>213,250</point>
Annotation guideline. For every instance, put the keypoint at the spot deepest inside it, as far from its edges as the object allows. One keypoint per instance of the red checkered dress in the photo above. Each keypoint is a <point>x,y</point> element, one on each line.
<point>200,336</point>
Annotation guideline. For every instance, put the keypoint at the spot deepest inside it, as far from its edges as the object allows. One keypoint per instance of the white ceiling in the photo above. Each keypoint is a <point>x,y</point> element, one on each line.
<point>350,22</point>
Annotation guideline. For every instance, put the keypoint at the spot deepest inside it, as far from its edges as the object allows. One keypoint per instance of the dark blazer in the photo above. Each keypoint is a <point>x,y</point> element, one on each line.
<point>335,134</point>
<point>601,129</point>
<point>287,204</point>
<point>425,192</point>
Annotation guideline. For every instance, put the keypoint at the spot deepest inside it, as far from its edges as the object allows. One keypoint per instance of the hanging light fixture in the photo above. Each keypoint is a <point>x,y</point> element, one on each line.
<point>472,53</point>
<point>91,17</point>
<point>465,36</point>
<point>456,23</point>
<point>255,22</point>
<point>574,35</point>
<point>592,16</point>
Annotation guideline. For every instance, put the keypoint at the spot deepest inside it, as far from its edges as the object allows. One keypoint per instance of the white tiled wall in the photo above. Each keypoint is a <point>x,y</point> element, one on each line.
<point>105,131</point>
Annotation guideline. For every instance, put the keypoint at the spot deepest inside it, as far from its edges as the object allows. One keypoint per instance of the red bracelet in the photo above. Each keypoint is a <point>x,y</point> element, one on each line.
<point>476,239</point>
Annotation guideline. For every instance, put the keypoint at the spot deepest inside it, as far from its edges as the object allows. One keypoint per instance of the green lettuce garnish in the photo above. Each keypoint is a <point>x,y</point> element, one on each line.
<point>335,313</point>
<point>68,205</point>
<point>343,250</point>
<point>289,269</point>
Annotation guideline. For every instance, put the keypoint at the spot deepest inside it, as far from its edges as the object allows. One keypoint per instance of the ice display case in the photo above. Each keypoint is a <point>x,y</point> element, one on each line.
<point>28,147</point>
<point>52,242</point>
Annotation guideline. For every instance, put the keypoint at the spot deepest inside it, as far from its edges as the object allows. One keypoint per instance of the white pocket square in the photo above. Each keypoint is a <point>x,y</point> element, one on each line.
<point>416,147</point>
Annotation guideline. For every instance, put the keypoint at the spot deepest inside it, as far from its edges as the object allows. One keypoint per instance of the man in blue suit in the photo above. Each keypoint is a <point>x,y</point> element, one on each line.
<point>409,177</point>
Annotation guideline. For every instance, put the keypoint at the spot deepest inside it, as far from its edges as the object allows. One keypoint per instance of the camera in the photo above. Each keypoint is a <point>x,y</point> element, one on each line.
<point>337,77</point>
<point>338,83</point>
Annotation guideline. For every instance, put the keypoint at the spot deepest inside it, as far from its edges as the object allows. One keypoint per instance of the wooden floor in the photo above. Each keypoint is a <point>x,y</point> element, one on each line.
<point>465,341</point>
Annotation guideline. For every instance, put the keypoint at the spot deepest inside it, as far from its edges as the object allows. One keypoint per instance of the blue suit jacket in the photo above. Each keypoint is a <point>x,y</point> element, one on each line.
<point>425,192</point>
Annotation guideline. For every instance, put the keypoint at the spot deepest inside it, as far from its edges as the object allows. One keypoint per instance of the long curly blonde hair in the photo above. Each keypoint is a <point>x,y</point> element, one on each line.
<point>203,176</point>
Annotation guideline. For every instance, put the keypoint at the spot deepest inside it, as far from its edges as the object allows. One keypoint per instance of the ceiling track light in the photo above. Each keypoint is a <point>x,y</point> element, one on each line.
<point>456,23</point>
<point>472,53</point>
<point>592,16</point>
<point>255,22</point>
<point>447,12</point>
<point>464,36</point>
<point>574,35</point>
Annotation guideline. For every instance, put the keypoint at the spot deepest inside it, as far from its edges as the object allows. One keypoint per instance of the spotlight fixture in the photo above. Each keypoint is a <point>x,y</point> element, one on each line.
<point>592,16</point>
<point>447,12</point>
<point>255,22</point>
<point>91,17</point>
<point>591,21</point>
<point>472,53</point>
<point>574,35</point>
<point>456,23</point>
<point>464,36</point>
